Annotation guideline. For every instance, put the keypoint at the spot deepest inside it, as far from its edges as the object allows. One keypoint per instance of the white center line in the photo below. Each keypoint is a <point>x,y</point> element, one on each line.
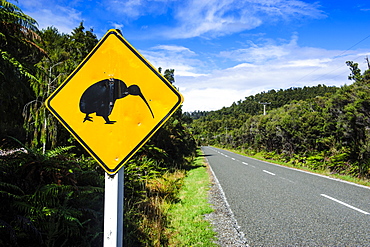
<point>273,174</point>
<point>345,204</point>
<point>248,164</point>
<point>232,158</point>
<point>288,180</point>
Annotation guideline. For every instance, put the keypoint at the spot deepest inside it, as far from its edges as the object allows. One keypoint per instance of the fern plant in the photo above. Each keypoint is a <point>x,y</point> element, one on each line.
<point>51,199</point>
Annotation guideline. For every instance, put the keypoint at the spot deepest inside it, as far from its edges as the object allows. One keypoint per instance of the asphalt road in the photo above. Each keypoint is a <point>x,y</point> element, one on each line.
<point>279,206</point>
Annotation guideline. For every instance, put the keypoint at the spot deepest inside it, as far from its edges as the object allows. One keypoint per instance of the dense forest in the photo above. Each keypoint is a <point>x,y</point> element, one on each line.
<point>51,190</point>
<point>318,127</point>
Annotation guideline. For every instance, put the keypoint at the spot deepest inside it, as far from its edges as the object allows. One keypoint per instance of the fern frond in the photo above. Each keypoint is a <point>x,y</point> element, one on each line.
<point>90,189</point>
<point>17,65</point>
<point>26,208</point>
<point>57,151</point>
<point>9,195</point>
<point>11,187</point>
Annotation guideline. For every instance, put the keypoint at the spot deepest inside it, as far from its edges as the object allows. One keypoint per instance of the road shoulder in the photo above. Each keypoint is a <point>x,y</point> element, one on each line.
<point>222,218</point>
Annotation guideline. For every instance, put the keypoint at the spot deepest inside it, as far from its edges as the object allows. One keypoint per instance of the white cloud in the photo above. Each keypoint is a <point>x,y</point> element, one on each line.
<point>117,25</point>
<point>180,58</point>
<point>133,9</point>
<point>262,67</point>
<point>173,48</point>
<point>47,14</point>
<point>290,8</point>
<point>285,53</point>
<point>201,17</point>
<point>187,18</point>
<point>315,62</point>
<point>218,18</point>
<point>256,54</point>
<point>294,66</point>
<point>199,99</point>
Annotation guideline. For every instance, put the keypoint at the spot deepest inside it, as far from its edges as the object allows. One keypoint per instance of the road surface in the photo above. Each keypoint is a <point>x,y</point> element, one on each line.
<point>279,206</point>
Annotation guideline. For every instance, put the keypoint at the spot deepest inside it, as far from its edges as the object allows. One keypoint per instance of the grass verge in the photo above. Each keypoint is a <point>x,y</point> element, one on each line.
<point>187,224</point>
<point>167,208</point>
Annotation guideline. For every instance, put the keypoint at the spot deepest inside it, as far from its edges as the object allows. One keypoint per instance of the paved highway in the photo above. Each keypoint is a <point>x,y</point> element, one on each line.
<point>279,206</point>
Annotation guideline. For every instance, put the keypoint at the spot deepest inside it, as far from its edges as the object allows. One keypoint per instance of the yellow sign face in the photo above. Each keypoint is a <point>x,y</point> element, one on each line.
<point>114,101</point>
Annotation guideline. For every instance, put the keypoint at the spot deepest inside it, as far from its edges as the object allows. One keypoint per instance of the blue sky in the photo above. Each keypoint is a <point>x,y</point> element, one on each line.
<point>223,51</point>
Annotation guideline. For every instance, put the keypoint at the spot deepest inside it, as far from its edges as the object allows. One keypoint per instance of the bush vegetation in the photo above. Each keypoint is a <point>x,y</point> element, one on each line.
<point>51,191</point>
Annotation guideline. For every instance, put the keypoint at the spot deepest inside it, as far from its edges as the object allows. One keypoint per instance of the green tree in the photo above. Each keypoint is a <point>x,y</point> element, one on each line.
<point>40,124</point>
<point>64,53</point>
<point>19,53</point>
<point>173,138</point>
<point>169,74</point>
<point>355,71</point>
<point>81,42</point>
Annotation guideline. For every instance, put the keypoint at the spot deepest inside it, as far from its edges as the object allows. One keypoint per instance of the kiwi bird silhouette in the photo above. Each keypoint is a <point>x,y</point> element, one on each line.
<point>100,98</point>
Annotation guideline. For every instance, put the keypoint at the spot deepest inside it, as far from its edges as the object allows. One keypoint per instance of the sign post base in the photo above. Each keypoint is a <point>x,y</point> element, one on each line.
<point>113,209</point>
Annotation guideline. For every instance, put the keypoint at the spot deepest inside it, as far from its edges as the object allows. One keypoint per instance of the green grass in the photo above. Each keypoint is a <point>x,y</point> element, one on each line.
<point>188,226</point>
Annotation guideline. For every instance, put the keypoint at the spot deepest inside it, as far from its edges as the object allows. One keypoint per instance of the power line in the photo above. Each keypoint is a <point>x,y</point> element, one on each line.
<point>354,45</point>
<point>334,70</point>
<point>343,52</point>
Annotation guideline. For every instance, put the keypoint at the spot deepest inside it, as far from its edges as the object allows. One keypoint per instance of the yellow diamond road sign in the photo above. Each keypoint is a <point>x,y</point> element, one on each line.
<point>114,101</point>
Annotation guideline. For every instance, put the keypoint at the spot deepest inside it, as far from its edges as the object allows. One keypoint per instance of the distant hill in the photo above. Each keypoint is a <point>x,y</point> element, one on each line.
<point>251,105</point>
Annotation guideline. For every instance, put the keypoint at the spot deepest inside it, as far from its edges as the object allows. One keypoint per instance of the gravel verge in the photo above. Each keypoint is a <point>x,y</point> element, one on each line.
<point>222,219</point>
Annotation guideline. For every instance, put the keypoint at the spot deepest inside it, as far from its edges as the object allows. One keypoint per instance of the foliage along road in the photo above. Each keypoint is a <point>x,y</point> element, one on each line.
<point>280,206</point>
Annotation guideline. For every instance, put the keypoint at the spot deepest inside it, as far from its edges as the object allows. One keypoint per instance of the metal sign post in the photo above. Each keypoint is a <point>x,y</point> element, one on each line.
<point>113,209</point>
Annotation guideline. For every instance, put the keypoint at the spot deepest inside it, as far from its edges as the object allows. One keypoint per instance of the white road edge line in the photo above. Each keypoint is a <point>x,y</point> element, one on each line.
<point>345,204</point>
<point>273,174</point>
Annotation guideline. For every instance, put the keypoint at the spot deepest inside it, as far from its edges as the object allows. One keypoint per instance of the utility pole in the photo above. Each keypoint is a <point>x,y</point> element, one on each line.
<point>264,106</point>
